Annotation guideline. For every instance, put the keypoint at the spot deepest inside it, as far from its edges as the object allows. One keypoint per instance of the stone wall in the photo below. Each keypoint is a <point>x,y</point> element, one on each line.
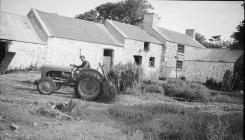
<point>27,54</point>
<point>201,71</point>
<point>134,47</point>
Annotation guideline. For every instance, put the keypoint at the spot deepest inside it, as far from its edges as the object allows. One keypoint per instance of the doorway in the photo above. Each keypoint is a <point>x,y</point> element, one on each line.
<point>107,59</point>
<point>3,50</point>
<point>5,56</point>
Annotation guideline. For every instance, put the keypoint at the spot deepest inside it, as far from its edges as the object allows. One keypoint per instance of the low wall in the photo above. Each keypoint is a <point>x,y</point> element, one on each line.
<point>201,71</point>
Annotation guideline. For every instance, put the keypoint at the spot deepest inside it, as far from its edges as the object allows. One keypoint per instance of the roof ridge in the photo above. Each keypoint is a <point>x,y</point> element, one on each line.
<point>139,29</point>
<point>56,14</point>
<point>127,24</point>
<point>173,31</point>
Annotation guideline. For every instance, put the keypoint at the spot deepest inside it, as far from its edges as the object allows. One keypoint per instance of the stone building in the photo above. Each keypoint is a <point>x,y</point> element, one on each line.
<point>175,45</point>
<point>42,38</point>
<point>20,45</point>
<point>65,39</point>
<point>203,64</point>
<point>139,47</point>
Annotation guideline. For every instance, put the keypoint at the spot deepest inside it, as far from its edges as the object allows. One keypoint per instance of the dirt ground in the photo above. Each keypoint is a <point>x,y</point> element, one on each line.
<point>26,114</point>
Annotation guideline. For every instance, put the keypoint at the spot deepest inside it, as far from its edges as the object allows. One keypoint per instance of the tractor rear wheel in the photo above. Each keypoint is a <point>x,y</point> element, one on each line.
<point>89,84</point>
<point>46,86</point>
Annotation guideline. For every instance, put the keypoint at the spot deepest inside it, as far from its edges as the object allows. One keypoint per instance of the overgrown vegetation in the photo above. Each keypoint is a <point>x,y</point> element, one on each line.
<point>188,91</point>
<point>125,77</point>
<point>213,84</point>
<point>174,122</point>
<point>153,86</point>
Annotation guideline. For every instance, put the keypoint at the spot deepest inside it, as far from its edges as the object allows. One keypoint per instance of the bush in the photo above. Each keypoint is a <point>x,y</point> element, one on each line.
<point>151,86</point>
<point>213,84</point>
<point>188,91</point>
<point>125,76</point>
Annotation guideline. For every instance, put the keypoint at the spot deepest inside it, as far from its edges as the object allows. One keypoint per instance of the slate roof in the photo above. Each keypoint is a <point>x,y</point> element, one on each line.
<point>134,32</point>
<point>17,28</point>
<point>178,37</point>
<point>76,29</point>
<point>214,55</point>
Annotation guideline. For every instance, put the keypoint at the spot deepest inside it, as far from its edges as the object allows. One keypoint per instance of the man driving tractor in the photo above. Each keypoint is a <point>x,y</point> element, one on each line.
<point>85,63</point>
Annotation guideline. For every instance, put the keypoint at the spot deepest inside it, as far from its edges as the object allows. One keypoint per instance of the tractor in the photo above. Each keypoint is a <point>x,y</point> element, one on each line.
<point>87,83</point>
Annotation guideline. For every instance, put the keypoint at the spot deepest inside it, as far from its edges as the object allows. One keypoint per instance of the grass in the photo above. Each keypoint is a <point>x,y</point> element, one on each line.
<point>173,122</point>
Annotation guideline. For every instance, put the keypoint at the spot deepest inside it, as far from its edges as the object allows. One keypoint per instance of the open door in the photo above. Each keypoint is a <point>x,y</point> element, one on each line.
<point>107,59</point>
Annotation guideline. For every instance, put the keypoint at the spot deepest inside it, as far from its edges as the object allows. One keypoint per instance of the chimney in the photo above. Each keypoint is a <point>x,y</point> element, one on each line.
<point>190,33</point>
<point>150,20</point>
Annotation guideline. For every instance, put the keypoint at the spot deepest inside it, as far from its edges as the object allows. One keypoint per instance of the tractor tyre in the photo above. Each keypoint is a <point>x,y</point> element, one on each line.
<point>89,84</point>
<point>46,86</point>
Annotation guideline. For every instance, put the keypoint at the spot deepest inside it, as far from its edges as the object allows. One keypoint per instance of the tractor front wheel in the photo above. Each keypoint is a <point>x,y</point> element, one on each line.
<point>46,86</point>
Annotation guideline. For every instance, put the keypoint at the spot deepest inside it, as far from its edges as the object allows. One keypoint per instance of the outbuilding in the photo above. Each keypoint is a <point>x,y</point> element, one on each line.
<point>203,64</point>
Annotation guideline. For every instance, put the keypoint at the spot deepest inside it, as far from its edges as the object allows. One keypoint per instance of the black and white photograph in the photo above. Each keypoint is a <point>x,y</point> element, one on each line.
<point>121,70</point>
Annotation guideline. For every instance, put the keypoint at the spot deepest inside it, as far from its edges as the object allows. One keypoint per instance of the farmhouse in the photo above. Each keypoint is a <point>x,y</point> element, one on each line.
<point>185,57</point>
<point>175,45</point>
<point>48,38</point>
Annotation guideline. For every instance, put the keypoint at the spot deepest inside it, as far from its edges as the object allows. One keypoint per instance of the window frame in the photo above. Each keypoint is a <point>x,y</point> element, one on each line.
<point>182,50</point>
<point>152,61</point>
<point>177,65</point>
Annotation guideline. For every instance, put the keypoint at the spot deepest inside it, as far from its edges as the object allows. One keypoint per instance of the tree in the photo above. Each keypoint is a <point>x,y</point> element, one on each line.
<point>200,38</point>
<point>214,42</point>
<point>128,11</point>
<point>238,36</point>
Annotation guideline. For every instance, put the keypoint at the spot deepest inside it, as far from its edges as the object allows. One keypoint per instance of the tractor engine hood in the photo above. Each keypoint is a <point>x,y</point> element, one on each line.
<point>56,68</point>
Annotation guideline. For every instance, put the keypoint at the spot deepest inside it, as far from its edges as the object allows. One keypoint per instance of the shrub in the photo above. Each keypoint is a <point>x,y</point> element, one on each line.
<point>213,84</point>
<point>151,86</point>
<point>125,76</point>
<point>188,91</point>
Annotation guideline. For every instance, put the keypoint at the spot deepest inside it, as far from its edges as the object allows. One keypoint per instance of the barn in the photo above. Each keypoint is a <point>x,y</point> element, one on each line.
<point>20,44</point>
<point>203,64</point>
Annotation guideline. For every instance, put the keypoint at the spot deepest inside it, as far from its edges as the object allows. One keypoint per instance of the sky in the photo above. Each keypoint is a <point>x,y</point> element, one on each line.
<point>206,17</point>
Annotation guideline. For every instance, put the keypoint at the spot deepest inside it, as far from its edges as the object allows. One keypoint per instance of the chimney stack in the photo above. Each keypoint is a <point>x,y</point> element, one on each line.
<point>190,33</point>
<point>150,20</point>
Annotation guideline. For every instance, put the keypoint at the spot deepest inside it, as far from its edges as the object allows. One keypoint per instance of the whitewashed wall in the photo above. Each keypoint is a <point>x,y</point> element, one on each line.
<point>27,54</point>
<point>201,71</point>
<point>64,52</point>
<point>134,47</point>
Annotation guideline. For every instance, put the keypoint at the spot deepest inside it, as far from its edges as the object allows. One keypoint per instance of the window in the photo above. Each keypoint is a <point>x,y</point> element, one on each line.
<point>152,62</point>
<point>181,48</point>
<point>137,60</point>
<point>146,46</point>
<point>179,64</point>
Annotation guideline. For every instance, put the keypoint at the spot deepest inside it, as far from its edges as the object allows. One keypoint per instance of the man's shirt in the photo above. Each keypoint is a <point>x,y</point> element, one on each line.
<point>85,64</point>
